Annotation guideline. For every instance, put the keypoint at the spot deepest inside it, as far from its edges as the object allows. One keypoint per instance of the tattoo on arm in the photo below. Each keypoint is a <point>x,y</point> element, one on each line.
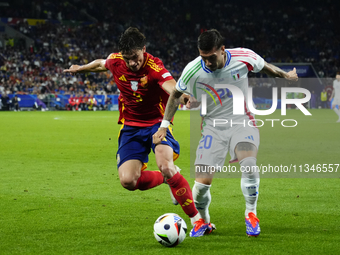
<point>172,105</point>
<point>274,71</point>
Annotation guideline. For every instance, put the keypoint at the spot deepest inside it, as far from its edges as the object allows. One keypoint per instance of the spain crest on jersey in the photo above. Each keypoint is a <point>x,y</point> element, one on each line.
<point>134,85</point>
<point>144,81</point>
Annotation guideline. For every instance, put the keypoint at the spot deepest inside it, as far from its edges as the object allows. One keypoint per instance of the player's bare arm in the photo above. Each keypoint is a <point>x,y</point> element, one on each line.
<point>275,71</point>
<point>169,86</point>
<point>170,110</point>
<point>172,105</point>
<point>97,65</point>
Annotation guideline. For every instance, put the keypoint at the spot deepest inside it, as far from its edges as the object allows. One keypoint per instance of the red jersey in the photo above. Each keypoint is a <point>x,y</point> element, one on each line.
<point>142,100</point>
<point>78,100</point>
<point>72,100</point>
<point>85,99</point>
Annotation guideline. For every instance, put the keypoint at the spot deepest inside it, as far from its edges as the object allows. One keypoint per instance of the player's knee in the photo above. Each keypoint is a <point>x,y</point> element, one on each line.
<point>128,183</point>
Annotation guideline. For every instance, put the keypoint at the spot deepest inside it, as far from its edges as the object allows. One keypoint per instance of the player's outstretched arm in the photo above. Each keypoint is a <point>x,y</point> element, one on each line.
<point>97,65</point>
<point>275,71</point>
<point>170,110</point>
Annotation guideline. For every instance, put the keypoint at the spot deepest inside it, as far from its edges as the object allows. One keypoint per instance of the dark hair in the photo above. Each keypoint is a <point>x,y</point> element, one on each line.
<point>210,39</point>
<point>131,39</point>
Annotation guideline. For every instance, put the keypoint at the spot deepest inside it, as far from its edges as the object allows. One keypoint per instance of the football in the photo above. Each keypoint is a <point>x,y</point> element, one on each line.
<point>170,229</point>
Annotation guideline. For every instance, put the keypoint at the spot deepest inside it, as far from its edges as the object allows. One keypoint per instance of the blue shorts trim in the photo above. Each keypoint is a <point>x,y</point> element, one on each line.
<point>136,143</point>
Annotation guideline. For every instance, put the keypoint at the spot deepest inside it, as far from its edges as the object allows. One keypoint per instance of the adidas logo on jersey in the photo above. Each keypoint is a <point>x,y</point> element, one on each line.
<point>250,137</point>
<point>122,78</point>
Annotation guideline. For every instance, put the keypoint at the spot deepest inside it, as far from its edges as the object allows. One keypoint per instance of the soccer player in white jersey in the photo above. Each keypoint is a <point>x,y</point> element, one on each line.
<point>218,65</point>
<point>336,95</point>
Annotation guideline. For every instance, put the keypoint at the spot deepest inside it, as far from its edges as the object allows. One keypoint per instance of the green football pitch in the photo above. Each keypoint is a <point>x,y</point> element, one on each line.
<point>60,192</point>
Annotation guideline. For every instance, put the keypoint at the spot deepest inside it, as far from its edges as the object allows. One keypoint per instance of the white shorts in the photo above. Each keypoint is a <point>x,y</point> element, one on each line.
<point>336,101</point>
<point>215,144</point>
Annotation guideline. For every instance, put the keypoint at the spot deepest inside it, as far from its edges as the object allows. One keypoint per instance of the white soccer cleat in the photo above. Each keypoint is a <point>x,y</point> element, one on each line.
<point>174,201</point>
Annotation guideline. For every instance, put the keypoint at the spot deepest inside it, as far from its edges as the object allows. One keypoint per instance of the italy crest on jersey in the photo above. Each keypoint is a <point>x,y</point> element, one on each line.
<point>134,85</point>
<point>235,74</point>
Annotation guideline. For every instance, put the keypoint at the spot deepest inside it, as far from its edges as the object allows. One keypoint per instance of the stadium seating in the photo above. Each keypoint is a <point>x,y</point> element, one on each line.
<point>66,33</point>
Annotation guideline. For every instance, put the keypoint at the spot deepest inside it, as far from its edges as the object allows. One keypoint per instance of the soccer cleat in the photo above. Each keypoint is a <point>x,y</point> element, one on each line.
<point>174,201</point>
<point>201,228</point>
<point>252,225</point>
<point>338,120</point>
<point>213,227</point>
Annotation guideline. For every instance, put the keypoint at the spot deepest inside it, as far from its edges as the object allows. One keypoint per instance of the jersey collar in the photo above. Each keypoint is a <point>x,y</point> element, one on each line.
<point>228,58</point>
<point>207,70</point>
<point>146,59</point>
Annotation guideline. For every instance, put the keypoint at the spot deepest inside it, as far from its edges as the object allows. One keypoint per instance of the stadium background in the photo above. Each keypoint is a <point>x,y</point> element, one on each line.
<point>38,39</point>
<point>59,188</point>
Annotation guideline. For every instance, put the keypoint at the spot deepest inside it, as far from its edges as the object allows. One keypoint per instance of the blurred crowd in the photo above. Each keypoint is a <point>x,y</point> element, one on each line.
<point>298,31</point>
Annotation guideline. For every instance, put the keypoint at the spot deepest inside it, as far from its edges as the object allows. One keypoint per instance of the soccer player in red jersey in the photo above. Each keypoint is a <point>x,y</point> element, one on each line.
<point>71,102</point>
<point>144,86</point>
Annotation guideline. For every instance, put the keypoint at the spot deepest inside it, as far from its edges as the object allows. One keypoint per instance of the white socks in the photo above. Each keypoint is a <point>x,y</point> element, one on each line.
<point>337,111</point>
<point>195,218</point>
<point>202,199</point>
<point>250,183</point>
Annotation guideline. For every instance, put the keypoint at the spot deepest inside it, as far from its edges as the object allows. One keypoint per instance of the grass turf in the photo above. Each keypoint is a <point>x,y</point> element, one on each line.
<point>60,192</point>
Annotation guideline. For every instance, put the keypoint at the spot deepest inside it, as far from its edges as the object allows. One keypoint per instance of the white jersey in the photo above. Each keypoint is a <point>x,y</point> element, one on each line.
<point>197,79</point>
<point>336,87</point>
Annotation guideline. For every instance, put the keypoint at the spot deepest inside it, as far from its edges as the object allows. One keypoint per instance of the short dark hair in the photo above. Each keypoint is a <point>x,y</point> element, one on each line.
<point>210,39</point>
<point>131,39</point>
